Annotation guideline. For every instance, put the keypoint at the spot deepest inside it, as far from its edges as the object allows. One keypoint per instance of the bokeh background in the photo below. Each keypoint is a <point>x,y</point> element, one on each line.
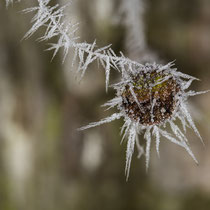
<point>46,164</point>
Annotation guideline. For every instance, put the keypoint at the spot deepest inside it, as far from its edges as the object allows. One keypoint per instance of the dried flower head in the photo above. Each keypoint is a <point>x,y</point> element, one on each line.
<point>148,98</point>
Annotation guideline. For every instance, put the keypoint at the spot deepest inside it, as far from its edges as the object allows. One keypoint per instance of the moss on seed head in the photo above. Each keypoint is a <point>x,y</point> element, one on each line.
<point>155,93</point>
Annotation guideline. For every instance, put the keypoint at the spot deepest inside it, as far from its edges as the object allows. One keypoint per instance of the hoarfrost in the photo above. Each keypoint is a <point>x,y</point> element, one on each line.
<point>106,120</point>
<point>52,18</point>
<point>132,127</point>
<point>130,149</point>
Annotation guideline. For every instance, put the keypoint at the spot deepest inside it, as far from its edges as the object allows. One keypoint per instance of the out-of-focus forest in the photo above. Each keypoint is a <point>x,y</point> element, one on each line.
<point>46,164</point>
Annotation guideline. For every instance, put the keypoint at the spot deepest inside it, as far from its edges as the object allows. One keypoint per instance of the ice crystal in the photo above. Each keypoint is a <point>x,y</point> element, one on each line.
<point>52,18</point>
<point>148,98</point>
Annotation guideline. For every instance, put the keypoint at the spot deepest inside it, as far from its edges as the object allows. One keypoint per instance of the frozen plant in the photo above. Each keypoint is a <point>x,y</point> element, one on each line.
<point>52,18</point>
<point>148,98</point>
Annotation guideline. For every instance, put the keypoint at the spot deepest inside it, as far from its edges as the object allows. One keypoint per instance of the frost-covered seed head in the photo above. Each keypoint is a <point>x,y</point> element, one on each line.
<point>155,97</point>
<point>148,98</point>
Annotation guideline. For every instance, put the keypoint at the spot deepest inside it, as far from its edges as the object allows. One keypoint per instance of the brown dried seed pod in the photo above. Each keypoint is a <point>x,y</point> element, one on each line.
<point>155,93</point>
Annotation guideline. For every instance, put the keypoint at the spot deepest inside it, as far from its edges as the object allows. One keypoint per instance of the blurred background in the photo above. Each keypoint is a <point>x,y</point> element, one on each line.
<point>46,164</point>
